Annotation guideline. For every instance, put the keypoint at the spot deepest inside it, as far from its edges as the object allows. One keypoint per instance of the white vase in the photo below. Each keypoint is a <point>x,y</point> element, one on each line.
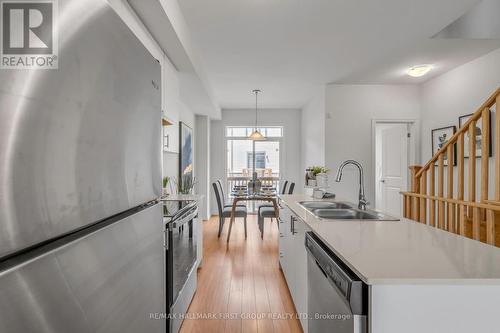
<point>322,180</point>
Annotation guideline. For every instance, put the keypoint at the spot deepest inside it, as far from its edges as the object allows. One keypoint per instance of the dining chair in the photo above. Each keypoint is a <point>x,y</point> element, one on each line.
<point>267,211</point>
<point>285,184</point>
<point>283,191</point>
<point>227,202</point>
<point>225,212</point>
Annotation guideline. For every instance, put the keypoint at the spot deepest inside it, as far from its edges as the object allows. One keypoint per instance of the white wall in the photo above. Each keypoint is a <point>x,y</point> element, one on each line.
<point>458,92</point>
<point>350,111</point>
<point>171,160</point>
<point>202,163</point>
<point>313,130</point>
<point>291,150</point>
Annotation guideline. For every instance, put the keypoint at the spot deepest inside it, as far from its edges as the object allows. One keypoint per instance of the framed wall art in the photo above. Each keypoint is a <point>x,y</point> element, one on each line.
<point>439,138</point>
<point>479,136</point>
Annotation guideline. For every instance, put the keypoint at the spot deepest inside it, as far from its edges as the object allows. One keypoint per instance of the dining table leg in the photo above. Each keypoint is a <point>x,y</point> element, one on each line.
<point>233,209</point>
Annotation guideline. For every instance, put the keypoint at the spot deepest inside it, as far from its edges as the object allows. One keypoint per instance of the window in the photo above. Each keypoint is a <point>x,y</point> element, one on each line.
<point>260,160</point>
<point>240,157</point>
<point>240,150</point>
<point>242,132</point>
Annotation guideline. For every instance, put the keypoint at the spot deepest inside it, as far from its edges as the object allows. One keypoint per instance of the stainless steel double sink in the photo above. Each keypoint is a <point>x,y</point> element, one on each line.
<point>342,211</point>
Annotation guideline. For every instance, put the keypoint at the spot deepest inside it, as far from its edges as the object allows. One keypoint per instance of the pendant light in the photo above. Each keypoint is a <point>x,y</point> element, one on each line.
<point>256,135</point>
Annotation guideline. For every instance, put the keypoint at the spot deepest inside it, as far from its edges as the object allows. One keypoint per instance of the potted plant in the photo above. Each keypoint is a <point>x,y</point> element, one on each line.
<point>165,182</point>
<point>185,185</point>
<point>317,176</point>
<point>316,170</point>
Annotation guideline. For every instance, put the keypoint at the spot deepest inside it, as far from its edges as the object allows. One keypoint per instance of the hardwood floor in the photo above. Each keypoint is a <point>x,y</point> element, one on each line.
<point>240,284</point>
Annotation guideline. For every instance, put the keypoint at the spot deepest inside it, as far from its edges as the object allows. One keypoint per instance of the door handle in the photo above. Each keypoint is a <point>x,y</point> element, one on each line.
<point>292,225</point>
<point>382,180</point>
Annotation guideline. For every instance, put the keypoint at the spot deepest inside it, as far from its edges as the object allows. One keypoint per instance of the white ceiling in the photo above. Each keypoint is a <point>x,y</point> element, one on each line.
<point>164,20</point>
<point>288,47</point>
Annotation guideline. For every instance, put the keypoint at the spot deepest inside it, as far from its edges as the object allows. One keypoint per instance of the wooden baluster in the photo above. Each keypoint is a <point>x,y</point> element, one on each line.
<point>497,150</point>
<point>414,208</point>
<point>460,162</point>
<point>462,215</point>
<point>441,191</point>
<point>432,203</point>
<point>449,194</point>
<point>404,206</point>
<point>472,161</point>
<point>476,223</point>
<point>455,217</point>
<point>415,186</point>
<point>485,156</point>
<point>423,201</point>
<point>490,227</point>
<point>460,176</point>
<point>408,207</point>
<point>474,212</point>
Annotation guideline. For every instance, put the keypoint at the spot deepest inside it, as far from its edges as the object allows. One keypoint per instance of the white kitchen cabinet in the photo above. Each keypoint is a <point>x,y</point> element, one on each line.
<point>171,138</point>
<point>171,132</point>
<point>286,247</point>
<point>285,239</point>
<point>171,107</point>
<point>293,259</point>
<point>300,229</point>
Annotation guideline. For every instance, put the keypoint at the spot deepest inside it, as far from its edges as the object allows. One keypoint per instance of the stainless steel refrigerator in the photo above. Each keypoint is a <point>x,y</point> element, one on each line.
<point>81,233</point>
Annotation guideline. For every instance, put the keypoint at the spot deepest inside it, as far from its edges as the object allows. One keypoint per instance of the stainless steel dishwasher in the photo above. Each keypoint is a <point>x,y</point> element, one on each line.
<point>337,298</point>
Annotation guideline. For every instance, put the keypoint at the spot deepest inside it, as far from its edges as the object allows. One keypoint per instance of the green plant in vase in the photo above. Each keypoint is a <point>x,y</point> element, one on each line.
<point>319,169</point>
<point>165,182</point>
<point>320,176</point>
<point>186,184</point>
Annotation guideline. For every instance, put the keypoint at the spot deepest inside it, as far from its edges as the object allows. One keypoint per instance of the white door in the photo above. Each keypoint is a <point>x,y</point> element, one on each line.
<point>392,166</point>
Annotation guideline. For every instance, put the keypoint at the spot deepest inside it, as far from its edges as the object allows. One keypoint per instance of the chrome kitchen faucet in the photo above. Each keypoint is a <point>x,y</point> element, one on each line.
<point>362,199</point>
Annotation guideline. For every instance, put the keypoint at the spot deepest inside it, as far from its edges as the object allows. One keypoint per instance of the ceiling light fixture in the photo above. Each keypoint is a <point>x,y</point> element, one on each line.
<point>256,135</point>
<point>419,70</point>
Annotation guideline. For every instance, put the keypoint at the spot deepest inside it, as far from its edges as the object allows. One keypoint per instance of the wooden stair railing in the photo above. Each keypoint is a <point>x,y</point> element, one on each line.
<point>459,209</point>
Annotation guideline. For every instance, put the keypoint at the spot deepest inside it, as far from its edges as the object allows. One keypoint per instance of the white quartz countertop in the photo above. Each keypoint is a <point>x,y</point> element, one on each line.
<point>178,197</point>
<point>403,252</point>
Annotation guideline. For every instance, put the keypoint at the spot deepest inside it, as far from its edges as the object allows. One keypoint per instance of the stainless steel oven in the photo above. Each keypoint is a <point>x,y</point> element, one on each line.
<point>337,298</point>
<point>180,244</point>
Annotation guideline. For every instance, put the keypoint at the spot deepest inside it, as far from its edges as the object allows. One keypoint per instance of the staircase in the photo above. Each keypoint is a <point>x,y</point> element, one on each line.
<point>460,210</point>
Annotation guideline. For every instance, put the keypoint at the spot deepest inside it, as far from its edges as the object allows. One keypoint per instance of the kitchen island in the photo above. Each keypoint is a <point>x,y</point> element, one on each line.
<point>420,278</point>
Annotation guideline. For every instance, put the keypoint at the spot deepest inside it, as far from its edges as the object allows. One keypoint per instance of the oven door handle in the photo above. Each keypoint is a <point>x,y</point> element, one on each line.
<point>184,210</point>
<point>183,220</point>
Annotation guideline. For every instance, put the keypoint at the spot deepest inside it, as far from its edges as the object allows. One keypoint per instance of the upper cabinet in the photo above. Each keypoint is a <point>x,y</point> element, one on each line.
<point>172,107</point>
<point>171,132</point>
<point>170,135</point>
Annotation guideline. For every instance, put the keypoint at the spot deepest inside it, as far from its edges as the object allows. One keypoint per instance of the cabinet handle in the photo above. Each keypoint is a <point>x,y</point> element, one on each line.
<point>292,225</point>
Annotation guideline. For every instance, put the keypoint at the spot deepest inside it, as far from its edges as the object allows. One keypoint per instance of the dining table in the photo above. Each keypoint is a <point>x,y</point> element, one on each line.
<point>237,196</point>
